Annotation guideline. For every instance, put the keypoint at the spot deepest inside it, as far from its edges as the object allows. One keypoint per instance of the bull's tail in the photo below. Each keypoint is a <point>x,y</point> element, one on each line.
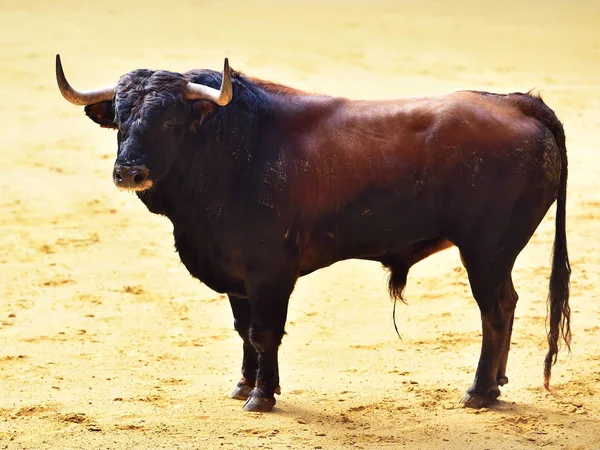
<point>558,298</point>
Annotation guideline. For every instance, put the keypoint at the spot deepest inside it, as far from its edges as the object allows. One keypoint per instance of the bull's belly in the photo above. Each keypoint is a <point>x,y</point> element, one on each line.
<point>371,229</point>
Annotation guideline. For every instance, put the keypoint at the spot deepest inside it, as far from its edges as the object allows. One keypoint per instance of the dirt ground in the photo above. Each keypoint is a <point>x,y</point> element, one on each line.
<point>106,342</point>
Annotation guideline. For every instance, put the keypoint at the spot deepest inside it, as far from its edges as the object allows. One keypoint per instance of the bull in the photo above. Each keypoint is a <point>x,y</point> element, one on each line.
<point>264,184</point>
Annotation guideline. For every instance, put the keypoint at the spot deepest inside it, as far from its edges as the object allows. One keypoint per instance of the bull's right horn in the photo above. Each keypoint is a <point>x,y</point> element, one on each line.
<point>221,96</point>
<point>78,97</point>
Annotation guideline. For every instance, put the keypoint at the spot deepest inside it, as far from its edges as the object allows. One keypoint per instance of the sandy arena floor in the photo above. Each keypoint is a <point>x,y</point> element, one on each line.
<point>107,343</point>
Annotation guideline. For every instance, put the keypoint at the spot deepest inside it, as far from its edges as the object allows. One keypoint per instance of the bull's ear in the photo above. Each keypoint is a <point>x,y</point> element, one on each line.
<point>201,111</point>
<point>102,113</point>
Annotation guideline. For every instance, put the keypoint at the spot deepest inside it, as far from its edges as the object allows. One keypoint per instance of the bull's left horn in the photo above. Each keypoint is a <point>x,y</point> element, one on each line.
<point>77,97</point>
<point>221,97</point>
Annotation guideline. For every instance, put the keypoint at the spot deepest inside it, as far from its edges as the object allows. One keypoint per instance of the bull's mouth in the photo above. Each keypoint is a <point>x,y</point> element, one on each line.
<point>132,178</point>
<point>137,188</point>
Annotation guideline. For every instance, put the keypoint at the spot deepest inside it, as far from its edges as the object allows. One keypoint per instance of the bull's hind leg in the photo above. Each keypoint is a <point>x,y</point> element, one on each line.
<point>241,321</point>
<point>501,378</point>
<point>493,290</point>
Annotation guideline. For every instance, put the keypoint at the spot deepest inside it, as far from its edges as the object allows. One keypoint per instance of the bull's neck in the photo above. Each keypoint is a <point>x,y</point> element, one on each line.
<point>202,175</point>
<point>199,181</point>
<point>301,109</point>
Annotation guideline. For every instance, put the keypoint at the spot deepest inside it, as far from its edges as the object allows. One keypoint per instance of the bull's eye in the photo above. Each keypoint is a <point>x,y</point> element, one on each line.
<point>170,124</point>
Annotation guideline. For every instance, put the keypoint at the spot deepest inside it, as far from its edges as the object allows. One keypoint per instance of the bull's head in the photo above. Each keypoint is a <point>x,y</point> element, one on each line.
<point>152,111</point>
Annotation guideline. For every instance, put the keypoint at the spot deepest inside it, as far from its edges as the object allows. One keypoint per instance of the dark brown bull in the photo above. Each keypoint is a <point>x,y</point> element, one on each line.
<point>265,184</point>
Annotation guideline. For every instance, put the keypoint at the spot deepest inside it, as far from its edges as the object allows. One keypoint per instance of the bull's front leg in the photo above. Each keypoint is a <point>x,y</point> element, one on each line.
<point>268,298</point>
<point>240,306</point>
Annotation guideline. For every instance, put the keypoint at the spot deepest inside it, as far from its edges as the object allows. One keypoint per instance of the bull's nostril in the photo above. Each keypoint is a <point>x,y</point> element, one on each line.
<point>138,178</point>
<point>118,177</point>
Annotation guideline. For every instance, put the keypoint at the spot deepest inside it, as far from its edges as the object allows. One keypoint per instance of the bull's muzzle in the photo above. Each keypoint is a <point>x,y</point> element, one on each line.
<point>132,178</point>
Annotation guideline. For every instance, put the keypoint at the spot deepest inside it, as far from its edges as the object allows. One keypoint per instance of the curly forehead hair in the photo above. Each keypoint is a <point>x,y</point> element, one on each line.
<point>143,89</point>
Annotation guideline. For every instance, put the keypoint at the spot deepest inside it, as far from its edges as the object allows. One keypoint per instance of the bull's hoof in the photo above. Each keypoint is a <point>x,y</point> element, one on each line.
<point>502,380</point>
<point>475,400</point>
<point>259,404</point>
<point>241,392</point>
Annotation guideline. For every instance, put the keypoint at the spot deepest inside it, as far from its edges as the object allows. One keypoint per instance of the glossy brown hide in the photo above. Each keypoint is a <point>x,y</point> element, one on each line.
<point>445,160</point>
